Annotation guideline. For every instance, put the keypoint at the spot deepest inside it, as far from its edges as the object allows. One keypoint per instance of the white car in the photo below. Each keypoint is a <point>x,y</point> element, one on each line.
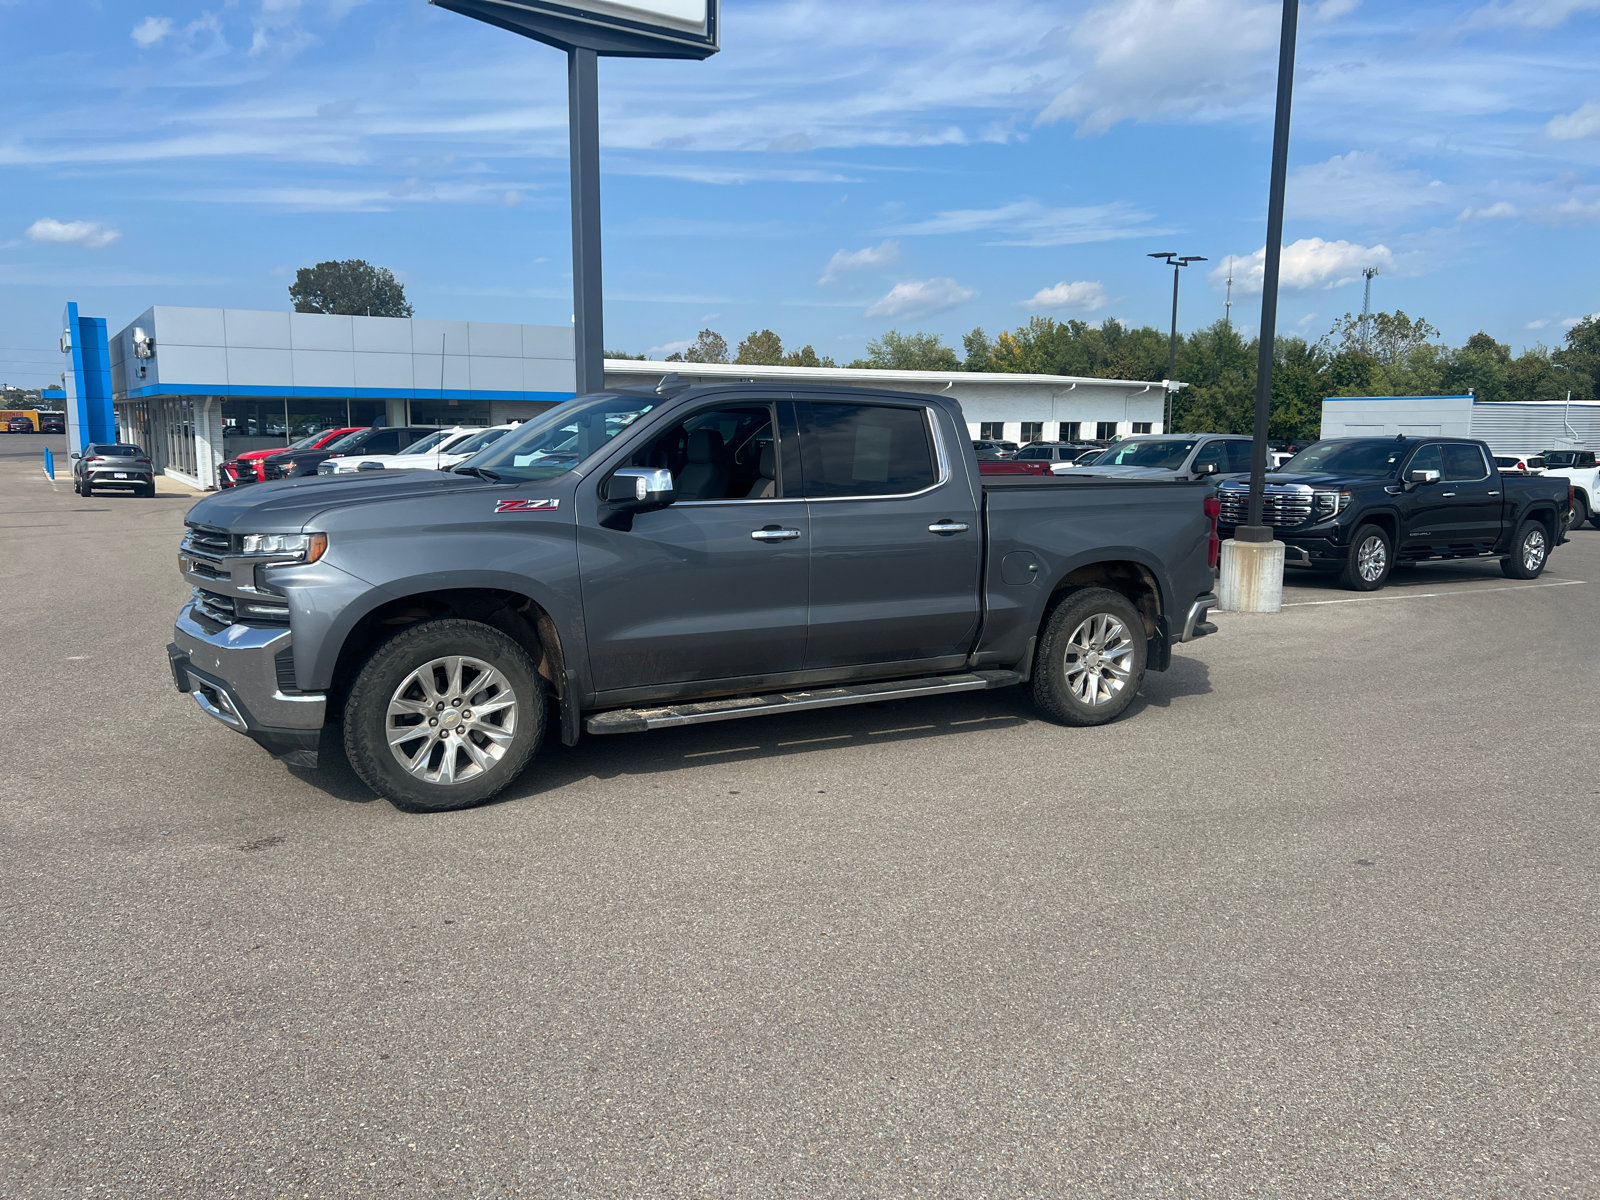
<point>1579,468</point>
<point>439,452</point>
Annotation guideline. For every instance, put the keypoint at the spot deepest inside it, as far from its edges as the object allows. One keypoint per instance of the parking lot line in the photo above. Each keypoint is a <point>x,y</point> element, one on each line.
<point>1522,587</point>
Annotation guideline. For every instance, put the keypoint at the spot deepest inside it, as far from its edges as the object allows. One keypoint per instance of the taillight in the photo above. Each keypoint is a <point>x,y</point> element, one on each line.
<point>94,458</point>
<point>1213,507</point>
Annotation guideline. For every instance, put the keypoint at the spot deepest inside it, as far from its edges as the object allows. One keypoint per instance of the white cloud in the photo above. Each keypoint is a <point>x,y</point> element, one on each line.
<point>151,30</point>
<point>1499,210</point>
<point>81,233</point>
<point>1569,322</point>
<point>659,352</point>
<point>1029,223</point>
<point>1584,122</point>
<point>880,255</point>
<point>1359,187</point>
<point>1082,296</point>
<point>1310,264</point>
<point>920,298</point>
<point>1531,14</point>
<point>1332,10</point>
<point>1539,324</point>
<point>1169,59</point>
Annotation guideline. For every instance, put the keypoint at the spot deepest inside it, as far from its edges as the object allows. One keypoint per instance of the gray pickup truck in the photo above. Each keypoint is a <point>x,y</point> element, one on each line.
<point>639,559</point>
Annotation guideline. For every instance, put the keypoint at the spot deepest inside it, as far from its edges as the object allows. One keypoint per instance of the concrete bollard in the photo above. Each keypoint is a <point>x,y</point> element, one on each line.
<point>1250,576</point>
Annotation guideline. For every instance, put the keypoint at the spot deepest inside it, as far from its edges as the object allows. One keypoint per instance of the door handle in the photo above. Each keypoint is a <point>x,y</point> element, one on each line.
<point>947,527</point>
<point>774,534</point>
<point>1447,495</point>
<point>1494,493</point>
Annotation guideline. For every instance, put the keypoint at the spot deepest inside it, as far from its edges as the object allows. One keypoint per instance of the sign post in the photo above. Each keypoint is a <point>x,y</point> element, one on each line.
<point>638,29</point>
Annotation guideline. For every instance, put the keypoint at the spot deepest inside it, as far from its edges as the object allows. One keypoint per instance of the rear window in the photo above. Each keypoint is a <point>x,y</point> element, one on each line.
<point>118,450</point>
<point>864,450</point>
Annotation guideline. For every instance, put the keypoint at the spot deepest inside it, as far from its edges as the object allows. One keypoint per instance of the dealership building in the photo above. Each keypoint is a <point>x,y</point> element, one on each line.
<point>197,385</point>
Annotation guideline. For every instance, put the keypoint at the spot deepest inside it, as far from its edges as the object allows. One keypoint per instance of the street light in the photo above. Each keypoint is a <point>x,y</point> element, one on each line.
<point>1177,262</point>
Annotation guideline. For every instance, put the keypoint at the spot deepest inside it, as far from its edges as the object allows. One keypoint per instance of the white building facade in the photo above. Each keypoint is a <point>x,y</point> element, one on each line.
<point>999,405</point>
<point>1508,428</point>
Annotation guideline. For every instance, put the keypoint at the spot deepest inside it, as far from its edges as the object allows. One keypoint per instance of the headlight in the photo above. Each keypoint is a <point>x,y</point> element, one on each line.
<point>296,547</point>
<point>1329,504</point>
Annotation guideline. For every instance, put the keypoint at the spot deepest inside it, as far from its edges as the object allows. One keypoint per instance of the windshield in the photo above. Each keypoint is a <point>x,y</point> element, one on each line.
<point>1165,452</point>
<point>558,440</point>
<point>1558,458</point>
<point>478,441</point>
<point>1374,458</point>
<point>310,440</point>
<point>431,442</point>
<point>344,442</point>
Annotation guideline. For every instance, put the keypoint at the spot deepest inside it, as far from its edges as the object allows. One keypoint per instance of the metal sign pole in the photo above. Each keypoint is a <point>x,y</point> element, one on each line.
<point>588,314</point>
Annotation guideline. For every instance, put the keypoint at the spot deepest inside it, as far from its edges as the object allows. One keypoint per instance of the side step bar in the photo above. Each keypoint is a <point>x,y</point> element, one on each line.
<point>637,720</point>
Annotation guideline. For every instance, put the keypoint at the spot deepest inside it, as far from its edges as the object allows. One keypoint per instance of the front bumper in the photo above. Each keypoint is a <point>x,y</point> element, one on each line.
<point>234,676</point>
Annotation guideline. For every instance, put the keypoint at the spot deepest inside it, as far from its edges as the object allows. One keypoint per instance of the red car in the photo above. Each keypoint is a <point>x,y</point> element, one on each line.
<point>246,467</point>
<point>1012,467</point>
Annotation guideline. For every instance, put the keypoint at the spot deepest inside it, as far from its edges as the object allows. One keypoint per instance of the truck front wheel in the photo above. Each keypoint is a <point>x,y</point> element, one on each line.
<point>1369,561</point>
<point>443,715</point>
<point>1091,658</point>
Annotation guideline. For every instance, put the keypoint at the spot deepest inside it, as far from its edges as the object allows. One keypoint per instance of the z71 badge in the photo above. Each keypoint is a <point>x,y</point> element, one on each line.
<point>505,506</point>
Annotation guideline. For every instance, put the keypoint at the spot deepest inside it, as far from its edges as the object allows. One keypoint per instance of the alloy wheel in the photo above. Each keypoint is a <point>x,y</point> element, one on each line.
<point>1098,659</point>
<point>1372,558</point>
<point>1533,550</point>
<point>451,720</point>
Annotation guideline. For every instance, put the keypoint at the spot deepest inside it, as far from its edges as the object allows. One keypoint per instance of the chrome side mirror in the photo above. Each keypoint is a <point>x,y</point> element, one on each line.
<point>640,488</point>
<point>1423,477</point>
<point>1205,468</point>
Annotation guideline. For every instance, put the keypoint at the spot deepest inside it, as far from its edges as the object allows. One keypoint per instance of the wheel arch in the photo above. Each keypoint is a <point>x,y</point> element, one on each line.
<point>1129,577</point>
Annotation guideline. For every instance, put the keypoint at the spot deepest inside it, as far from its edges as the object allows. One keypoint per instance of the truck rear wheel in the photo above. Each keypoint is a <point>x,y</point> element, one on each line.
<point>444,715</point>
<point>1091,658</point>
<point>1529,552</point>
<point>1580,511</point>
<point>1369,561</point>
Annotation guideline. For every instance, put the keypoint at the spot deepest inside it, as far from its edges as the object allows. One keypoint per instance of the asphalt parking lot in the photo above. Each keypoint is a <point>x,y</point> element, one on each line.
<point>1316,919</point>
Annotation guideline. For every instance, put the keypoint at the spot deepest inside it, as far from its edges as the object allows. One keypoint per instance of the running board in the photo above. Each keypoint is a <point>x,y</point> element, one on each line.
<point>637,720</point>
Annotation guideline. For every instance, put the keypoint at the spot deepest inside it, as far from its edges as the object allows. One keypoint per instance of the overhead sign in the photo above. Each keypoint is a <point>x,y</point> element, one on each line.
<point>636,28</point>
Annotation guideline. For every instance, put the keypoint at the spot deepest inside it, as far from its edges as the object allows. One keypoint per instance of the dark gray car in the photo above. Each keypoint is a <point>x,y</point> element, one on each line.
<point>116,465</point>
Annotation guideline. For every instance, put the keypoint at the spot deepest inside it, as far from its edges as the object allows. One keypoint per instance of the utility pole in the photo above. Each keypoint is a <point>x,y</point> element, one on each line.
<point>1177,263</point>
<point>1366,307</point>
<point>1227,305</point>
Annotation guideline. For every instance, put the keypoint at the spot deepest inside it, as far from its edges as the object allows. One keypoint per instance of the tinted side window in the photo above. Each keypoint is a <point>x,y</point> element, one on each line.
<point>1426,459</point>
<point>385,441</point>
<point>1238,457</point>
<point>1462,464</point>
<point>1212,453</point>
<point>864,450</point>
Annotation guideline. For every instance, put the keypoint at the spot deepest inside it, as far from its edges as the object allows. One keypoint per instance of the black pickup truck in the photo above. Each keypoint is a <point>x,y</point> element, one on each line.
<point>640,559</point>
<point>1361,506</point>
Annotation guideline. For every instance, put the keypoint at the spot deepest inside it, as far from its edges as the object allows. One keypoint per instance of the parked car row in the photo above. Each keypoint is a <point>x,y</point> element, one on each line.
<point>340,451</point>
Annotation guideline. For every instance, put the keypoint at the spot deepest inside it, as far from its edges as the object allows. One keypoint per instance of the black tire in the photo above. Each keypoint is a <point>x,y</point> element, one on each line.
<point>1067,684</point>
<point>85,489</point>
<point>1369,560</point>
<point>149,491</point>
<point>1529,552</point>
<point>367,716</point>
<point>1580,511</point>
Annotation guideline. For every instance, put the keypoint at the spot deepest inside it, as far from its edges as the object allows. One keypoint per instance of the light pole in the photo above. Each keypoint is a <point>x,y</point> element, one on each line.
<point>1251,578</point>
<point>1177,262</point>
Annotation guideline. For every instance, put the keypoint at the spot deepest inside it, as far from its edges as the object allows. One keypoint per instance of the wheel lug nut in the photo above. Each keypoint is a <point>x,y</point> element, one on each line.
<point>456,703</point>
<point>433,720</point>
<point>439,706</point>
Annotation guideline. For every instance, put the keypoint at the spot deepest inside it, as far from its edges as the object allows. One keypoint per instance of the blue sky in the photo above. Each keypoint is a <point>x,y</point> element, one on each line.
<point>840,168</point>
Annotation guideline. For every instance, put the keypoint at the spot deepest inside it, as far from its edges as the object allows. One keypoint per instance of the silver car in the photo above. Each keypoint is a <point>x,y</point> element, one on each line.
<point>113,465</point>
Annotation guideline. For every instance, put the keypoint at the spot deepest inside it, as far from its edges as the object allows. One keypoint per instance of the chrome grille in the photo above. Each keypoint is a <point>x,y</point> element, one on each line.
<point>204,539</point>
<point>214,606</point>
<point>1279,506</point>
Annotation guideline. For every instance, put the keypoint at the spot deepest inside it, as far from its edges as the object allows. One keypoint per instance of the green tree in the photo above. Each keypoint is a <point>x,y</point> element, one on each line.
<point>623,354</point>
<point>806,356</point>
<point>1481,367</point>
<point>1219,367</point>
<point>351,287</point>
<point>896,351</point>
<point>708,347</point>
<point>762,348</point>
<point>976,346</point>
<point>1579,358</point>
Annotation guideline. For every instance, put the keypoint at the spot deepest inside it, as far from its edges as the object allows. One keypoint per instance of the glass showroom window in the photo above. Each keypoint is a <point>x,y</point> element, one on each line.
<point>449,412</point>
<point>367,412</point>
<point>992,431</point>
<point>253,425</point>
<point>1104,431</point>
<point>314,416</point>
<point>1032,431</point>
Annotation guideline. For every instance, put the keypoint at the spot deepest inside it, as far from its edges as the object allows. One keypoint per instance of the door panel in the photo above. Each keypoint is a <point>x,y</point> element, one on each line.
<point>1478,500</point>
<point>884,587</point>
<point>687,593</point>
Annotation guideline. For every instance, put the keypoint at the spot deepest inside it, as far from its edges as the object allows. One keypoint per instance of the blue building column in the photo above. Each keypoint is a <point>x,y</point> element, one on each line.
<point>87,380</point>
